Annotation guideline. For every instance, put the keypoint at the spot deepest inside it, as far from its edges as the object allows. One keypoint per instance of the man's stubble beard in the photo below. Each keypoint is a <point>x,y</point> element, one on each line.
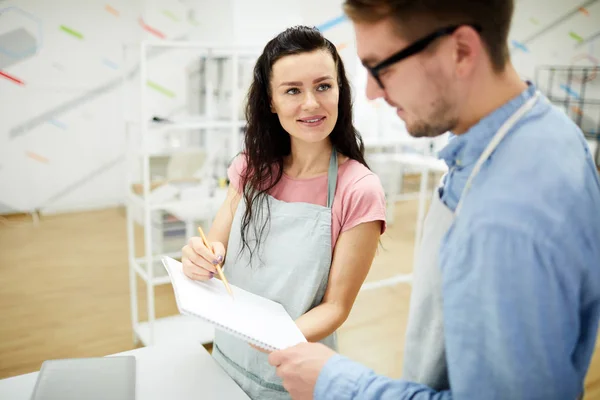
<point>442,116</point>
<point>441,120</point>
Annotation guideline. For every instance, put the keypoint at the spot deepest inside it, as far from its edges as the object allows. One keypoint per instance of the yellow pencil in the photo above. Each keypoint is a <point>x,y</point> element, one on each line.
<point>218,266</point>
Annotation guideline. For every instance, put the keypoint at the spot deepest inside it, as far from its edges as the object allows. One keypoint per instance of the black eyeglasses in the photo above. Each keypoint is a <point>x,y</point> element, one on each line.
<point>414,48</point>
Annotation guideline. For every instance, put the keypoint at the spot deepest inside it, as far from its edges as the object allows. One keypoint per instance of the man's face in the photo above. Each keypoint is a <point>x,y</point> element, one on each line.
<point>422,87</point>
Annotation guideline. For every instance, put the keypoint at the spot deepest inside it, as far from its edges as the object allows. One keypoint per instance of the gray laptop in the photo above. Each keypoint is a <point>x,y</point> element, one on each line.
<point>101,378</point>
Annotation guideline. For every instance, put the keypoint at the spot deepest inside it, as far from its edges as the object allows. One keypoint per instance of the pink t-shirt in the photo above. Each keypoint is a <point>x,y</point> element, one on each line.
<point>359,196</point>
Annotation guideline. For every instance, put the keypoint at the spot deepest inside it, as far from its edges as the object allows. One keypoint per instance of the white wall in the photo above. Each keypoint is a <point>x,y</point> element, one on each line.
<point>61,134</point>
<point>560,33</point>
<point>62,137</point>
<point>256,22</point>
<point>61,141</point>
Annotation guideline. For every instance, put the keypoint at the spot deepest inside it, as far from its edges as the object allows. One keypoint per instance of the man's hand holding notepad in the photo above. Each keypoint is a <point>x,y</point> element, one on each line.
<point>260,321</point>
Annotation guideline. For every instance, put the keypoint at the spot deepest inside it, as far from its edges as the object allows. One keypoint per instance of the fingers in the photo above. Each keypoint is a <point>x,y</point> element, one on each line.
<point>276,358</point>
<point>219,251</point>
<point>290,354</point>
<point>200,255</point>
<point>193,271</point>
<point>198,261</point>
<point>280,372</point>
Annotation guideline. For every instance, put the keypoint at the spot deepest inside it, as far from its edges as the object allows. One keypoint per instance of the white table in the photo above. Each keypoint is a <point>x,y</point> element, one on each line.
<point>163,372</point>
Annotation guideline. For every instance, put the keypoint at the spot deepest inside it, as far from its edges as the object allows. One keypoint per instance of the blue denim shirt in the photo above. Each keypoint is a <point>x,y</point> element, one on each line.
<point>520,267</point>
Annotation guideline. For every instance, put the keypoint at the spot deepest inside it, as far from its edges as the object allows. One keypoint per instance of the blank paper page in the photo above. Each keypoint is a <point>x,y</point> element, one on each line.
<point>248,315</point>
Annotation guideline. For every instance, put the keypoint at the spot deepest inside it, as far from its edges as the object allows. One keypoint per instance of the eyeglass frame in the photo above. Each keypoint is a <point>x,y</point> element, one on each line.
<point>413,49</point>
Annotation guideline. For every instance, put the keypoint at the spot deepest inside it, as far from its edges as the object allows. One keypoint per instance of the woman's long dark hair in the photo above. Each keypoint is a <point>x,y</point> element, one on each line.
<point>267,143</point>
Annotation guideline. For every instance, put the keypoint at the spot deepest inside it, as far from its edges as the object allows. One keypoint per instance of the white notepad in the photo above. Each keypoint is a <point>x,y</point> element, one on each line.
<point>253,318</point>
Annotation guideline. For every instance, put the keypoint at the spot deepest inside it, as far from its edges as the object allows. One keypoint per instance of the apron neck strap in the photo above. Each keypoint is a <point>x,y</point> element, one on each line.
<point>491,147</point>
<point>332,174</point>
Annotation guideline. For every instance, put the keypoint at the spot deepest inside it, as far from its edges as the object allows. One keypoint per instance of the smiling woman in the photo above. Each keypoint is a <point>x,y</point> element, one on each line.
<point>304,213</point>
<point>307,108</point>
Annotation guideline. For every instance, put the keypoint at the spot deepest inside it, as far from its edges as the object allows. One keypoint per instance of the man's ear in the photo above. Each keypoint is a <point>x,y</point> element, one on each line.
<point>469,47</point>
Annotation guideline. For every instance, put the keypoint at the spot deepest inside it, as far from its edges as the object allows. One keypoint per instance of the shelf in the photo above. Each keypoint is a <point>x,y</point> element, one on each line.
<point>410,159</point>
<point>161,276</point>
<point>211,49</point>
<point>168,152</point>
<point>172,231</point>
<point>139,201</point>
<point>159,144</point>
<point>190,123</point>
<point>176,329</point>
<point>137,189</point>
<point>377,142</point>
<point>185,210</point>
<point>194,124</point>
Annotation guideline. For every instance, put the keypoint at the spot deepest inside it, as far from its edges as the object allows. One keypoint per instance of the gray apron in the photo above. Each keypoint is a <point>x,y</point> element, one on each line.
<point>292,268</point>
<point>424,353</point>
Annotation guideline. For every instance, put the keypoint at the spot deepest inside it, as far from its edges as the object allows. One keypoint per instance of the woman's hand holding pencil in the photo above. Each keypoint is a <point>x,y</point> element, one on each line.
<point>201,260</point>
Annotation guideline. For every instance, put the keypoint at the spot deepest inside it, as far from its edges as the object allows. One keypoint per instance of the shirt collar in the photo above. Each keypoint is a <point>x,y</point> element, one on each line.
<point>466,149</point>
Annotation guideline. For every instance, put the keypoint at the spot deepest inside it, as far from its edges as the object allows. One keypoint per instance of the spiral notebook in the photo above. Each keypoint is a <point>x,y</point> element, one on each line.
<point>252,318</point>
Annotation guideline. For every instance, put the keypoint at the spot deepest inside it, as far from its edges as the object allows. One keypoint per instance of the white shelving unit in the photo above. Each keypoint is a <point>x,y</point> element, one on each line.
<point>149,205</point>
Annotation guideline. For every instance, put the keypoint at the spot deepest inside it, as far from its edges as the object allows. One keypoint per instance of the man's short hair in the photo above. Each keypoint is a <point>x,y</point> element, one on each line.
<point>416,18</point>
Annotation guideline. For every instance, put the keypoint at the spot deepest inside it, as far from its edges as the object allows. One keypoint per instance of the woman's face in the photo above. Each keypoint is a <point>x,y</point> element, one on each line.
<point>305,94</point>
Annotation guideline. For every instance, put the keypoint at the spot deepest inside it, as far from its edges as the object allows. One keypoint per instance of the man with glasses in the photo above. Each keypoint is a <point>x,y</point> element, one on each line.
<point>506,291</point>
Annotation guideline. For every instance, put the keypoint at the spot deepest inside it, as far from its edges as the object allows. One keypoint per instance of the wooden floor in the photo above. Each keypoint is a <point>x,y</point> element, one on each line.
<point>64,292</point>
